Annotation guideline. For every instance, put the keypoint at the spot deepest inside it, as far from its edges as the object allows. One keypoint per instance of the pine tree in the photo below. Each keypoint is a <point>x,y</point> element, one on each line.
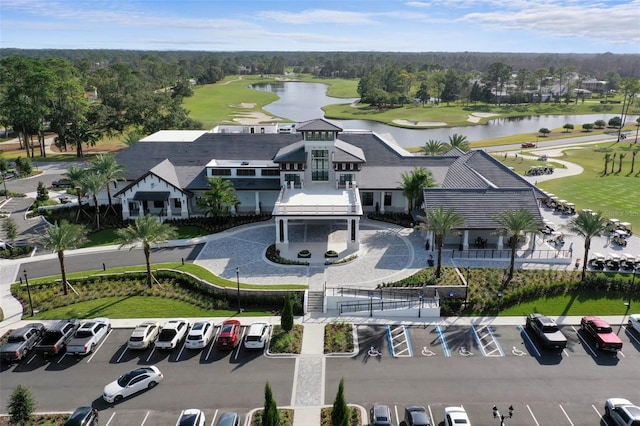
<point>340,411</point>
<point>10,228</point>
<point>21,405</point>
<point>42,193</point>
<point>286,319</point>
<point>270,415</point>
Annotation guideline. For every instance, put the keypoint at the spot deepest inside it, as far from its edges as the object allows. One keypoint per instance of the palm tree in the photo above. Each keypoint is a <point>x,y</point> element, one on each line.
<point>460,142</point>
<point>75,175</point>
<point>633,161</point>
<point>620,158</point>
<point>414,182</point>
<point>587,225</point>
<point>93,183</point>
<point>613,161</point>
<point>146,230</point>
<point>607,158</point>
<point>107,167</point>
<point>441,222</point>
<point>433,148</point>
<point>219,198</point>
<point>516,224</point>
<point>61,237</point>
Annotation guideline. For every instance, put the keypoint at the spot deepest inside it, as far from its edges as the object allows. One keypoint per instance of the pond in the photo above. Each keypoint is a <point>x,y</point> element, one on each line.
<point>304,101</point>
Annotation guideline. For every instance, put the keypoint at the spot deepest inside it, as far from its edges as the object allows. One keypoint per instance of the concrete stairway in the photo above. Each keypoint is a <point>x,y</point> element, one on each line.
<point>315,301</point>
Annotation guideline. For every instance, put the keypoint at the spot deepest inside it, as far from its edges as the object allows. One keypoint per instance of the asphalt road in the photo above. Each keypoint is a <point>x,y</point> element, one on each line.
<point>476,367</point>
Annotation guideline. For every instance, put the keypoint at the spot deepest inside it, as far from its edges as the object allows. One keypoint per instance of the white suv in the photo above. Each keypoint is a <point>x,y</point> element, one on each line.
<point>257,336</point>
<point>454,416</point>
<point>173,332</point>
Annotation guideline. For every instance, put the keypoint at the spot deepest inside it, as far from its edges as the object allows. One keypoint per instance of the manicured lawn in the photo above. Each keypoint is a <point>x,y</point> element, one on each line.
<point>138,307</point>
<point>108,236</point>
<point>521,165</point>
<point>616,195</point>
<point>584,303</point>
<point>338,87</point>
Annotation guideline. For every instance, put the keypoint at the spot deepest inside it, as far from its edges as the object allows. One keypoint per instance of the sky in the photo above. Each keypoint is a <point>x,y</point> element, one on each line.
<point>552,26</point>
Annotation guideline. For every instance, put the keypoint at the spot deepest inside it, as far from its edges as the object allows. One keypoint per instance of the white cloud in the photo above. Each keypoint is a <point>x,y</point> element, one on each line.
<point>318,16</point>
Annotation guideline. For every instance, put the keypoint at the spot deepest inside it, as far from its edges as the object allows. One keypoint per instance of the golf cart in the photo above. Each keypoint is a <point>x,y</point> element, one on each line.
<point>597,261</point>
<point>560,206</point>
<point>619,237</point>
<point>628,262</point>
<point>548,226</point>
<point>613,262</point>
<point>626,227</point>
<point>612,225</point>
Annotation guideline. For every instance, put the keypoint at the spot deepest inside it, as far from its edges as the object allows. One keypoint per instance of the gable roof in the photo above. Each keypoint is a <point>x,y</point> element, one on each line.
<point>347,152</point>
<point>318,124</point>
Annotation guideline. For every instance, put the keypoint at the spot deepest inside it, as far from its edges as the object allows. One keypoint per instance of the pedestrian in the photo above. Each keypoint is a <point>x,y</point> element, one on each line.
<point>427,245</point>
<point>571,250</point>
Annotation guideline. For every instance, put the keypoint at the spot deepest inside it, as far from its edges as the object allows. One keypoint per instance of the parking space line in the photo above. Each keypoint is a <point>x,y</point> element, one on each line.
<point>597,412</point>
<point>532,416</point>
<point>151,353</point>
<point>495,340</point>
<point>181,349</point>
<point>121,355</point>
<point>443,341</point>
<point>395,408</point>
<point>32,358</point>
<point>566,415</point>
<point>60,360</point>
<point>535,348</point>
<point>430,413</point>
<point>215,414</point>
<point>111,418</point>
<point>584,342</point>
<point>244,330</point>
<point>99,346</point>
<point>145,418</point>
<point>211,345</point>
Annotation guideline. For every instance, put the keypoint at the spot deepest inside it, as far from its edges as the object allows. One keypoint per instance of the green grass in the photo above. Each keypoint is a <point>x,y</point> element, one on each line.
<point>109,236</point>
<point>338,87</point>
<point>521,165</point>
<point>138,307</point>
<point>583,303</point>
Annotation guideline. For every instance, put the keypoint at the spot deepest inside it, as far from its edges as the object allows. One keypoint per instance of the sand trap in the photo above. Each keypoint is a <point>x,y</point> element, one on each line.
<point>476,116</point>
<point>243,105</point>
<point>420,123</point>
<point>254,117</point>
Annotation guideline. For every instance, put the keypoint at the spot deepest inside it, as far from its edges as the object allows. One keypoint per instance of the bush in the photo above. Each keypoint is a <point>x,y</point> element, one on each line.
<point>21,405</point>
<point>402,219</point>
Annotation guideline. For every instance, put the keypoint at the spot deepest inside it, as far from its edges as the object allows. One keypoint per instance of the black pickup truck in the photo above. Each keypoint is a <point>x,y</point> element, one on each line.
<point>57,336</point>
<point>21,341</point>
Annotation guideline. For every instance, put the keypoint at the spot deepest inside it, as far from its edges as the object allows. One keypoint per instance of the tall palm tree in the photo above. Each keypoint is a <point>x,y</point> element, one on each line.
<point>620,158</point>
<point>414,182</point>
<point>587,225</point>
<point>607,158</point>
<point>633,160</point>
<point>75,175</point>
<point>516,224</point>
<point>460,142</point>
<point>220,197</point>
<point>434,147</point>
<point>61,237</point>
<point>441,222</point>
<point>93,183</point>
<point>107,167</point>
<point>146,230</point>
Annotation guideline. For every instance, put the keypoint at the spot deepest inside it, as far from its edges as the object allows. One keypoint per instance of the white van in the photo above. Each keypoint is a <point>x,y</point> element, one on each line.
<point>257,336</point>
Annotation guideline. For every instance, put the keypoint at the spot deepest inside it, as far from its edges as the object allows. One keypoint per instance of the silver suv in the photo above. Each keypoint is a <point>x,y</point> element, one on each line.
<point>622,412</point>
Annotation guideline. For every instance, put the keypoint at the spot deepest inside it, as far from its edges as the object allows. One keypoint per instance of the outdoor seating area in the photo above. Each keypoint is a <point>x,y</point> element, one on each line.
<point>480,243</point>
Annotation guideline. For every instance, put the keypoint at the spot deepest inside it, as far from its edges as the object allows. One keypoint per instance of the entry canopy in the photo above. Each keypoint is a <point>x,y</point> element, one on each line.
<point>151,196</point>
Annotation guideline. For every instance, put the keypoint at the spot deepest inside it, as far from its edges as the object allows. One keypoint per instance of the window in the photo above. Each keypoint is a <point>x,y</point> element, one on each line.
<point>320,165</point>
<point>245,172</point>
<point>292,177</point>
<point>158,204</point>
<point>220,172</point>
<point>367,198</point>
<point>177,203</point>
<point>346,178</point>
<point>387,198</point>
<point>270,172</point>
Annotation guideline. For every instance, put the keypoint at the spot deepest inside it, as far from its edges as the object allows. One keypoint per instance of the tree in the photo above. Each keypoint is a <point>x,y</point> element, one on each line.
<point>340,411</point>
<point>440,222</point>
<point>286,318</point>
<point>613,161</point>
<point>568,127</point>
<point>76,174</point>
<point>41,192</point>
<point>544,131</point>
<point>587,225</point>
<point>587,127</point>
<point>10,229</point>
<point>61,237</point>
<point>21,405</point>
<point>460,142</point>
<point>540,74</point>
<point>434,148</point>
<point>615,122</point>
<point>111,172</point>
<point>600,124</point>
<point>220,197</point>
<point>93,183</point>
<point>516,224</point>
<point>414,182</point>
<point>146,230</point>
<point>620,158</point>
<point>498,75</point>
<point>132,137</point>
<point>607,158</point>
<point>633,160</point>
<point>270,415</point>
<point>423,93</point>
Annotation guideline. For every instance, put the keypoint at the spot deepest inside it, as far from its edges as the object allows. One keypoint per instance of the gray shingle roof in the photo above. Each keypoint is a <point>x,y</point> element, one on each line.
<point>347,152</point>
<point>166,171</point>
<point>318,124</point>
<point>481,206</point>
<point>293,153</point>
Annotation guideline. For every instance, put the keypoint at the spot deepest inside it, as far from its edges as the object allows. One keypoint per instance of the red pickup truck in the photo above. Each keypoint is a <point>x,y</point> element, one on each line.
<point>602,334</point>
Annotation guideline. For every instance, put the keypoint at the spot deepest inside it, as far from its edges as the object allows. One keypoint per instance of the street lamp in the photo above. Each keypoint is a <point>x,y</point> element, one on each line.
<point>238,282</point>
<point>497,415</point>
<point>26,280</point>
<point>420,296</point>
<point>633,280</point>
<point>370,303</point>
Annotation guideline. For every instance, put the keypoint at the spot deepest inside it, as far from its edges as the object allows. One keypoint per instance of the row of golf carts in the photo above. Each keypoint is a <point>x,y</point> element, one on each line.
<point>614,262</point>
<point>561,206</point>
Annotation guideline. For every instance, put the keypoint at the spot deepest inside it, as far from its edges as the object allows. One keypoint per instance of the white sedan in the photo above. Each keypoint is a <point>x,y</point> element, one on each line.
<point>200,334</point>
<point>132,382</point>
<point>634,322</point>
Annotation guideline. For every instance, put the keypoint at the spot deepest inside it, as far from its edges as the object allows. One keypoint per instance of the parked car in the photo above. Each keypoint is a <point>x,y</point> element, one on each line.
<point>200,334</point>
<point>89,336</point>
<point>547,331</point>
<point>257,335</point>
<point>62,183</point>
<point>229,419</point>
<point>83,416</point>
<point>229,335</point>
<point>21,341</point>
<point>173,332</point>
<point>191,417</point>
<point>57,336</point>
<point>528,145</point>
<point>634,322</point>
<point>143,335</point>
<point>380,415</point>
<point>456,416</point>
<point>622,412</point>
<point>132,382</point>
<point>602,333</point>
<point>416,415</point>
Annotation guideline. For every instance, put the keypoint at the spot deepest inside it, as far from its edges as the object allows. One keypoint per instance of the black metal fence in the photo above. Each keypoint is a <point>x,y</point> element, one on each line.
<point>506,254</point>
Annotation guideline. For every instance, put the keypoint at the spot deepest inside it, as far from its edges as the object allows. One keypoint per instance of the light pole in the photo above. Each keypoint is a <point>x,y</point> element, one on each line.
<point>4,183</point>
<point>633,280</point>
<point>26,280</point>
<point>238,283</point>
<point>420,296</point>
<point>370,303</point>
<point>501,417</point>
